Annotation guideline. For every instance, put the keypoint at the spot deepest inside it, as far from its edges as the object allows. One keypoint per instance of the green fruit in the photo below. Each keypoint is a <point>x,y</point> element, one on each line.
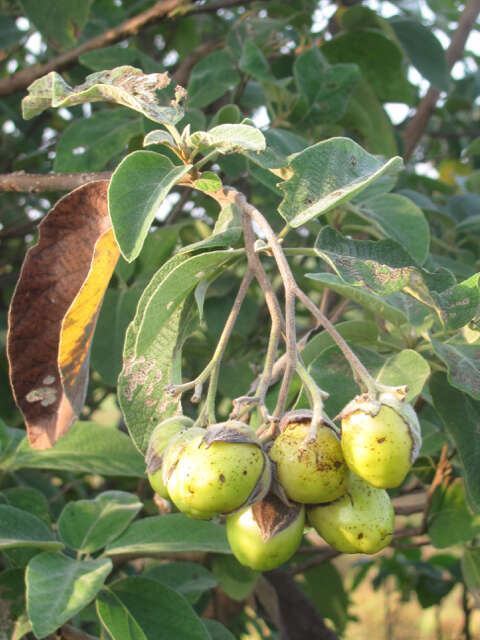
<point>361,521</point>
<point>311,473</point>
<point>267,534</point>
<point>218,473</point>
<point>161,437</point>
<point>378,448</point>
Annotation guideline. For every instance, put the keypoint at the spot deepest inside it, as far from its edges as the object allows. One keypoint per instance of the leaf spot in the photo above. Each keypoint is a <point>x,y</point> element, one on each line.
<point>48,380</point>
<point>45,395</point>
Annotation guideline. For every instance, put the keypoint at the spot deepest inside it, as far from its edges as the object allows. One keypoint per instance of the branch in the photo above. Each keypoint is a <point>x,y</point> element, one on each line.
<point>67,632</point>
<point>160,10</point>
<point>417,126</point>
<point>43,182</point>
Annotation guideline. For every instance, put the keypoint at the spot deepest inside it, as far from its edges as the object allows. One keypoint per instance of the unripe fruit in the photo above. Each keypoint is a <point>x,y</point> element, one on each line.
<point>220,470</point>
<point>380,440</point>
<point>361,521</point>
<point>267,534</point>
<point>309,473</point>
<point>161,437</point>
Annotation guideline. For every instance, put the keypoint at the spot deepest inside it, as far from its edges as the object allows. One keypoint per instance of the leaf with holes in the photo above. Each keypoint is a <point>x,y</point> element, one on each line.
<point>327,174</point>
<point>54,311</point>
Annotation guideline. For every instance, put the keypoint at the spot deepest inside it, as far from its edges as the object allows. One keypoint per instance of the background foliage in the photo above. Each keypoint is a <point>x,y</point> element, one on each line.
<point>78,524</point>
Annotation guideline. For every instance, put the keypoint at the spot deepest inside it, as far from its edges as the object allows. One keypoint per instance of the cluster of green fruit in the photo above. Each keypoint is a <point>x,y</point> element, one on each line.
<point>336,484</point>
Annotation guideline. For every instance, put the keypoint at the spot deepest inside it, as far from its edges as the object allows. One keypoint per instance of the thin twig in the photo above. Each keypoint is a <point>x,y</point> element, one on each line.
<point>44,182</point>
<point>164,9</point>
<point>418,124</point>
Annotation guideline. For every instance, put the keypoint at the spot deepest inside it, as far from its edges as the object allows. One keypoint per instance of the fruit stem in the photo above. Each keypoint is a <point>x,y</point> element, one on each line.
<point>210,369</point>
<point>316,396</point>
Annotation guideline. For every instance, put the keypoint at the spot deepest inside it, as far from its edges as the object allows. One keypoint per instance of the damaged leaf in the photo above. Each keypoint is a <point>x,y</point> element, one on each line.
<point>54,311</point>
<point>153,94</point>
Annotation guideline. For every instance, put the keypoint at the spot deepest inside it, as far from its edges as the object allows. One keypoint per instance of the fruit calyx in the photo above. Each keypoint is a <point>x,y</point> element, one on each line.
<point>273,516</point>
<point>160,439</point>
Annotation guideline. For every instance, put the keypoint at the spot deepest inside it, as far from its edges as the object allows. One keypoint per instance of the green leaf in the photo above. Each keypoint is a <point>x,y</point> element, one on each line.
<point>89,144</point>
<point>382,306</point>
<point>379,59</point>
<point>118,309</point>
<point>89,525</point>
<point>139,185</point>
<point>235,580</point>
<point>325,88</point>
<point>62,27</point>
<point>188,578</point>
<point>323,585</point>
<point>401,220</point>
<point>124,85</point>
<point>230,138</point>
<point>226,232</point>
<point>22,529</point>
<point>471,571</point>
<point>327,174</point>
<point>253,62</point>
<point>158,136</point>
<point>88,448</point>
<point>139,608</point>
<point>108,57</point>
<point>209,181</point>
<point>154,339</point>
<point>217,631</point>
<point>210,78</point>
<point>406,367</point>
<point>65,584</point>
<point>169,533</point>
<point>353,331</point>
<point>463,364</point>
<point>424,50</point>
<point>461,417</point>
<point>449,506</point>
<point>28,499</point>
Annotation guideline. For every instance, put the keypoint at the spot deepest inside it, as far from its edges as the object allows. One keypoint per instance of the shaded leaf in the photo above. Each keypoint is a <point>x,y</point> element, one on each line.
<point>108,57</point>
<point>65,584</point>
<point>154,340</point>
<point>188,578</point>
<point>149,610</point>
<point>327,174</point>
<point>459,303</point>
<point>89,525</point>
<point>87,448</point>
<point>424,50</point>
<point>353,331</point>
<point>20,528</point>
<point>461,417</point>
<point>217,631</point>
<point>379,59</point>
<point>227,229</point>
<point>28,499</point>
<point>449,506</point>
<point>149,94</point>
<point>326,88</point>
<point>323,585</point>
<point>139,185</point>
<point>235,580</point>
<point>54,310</point>
<point>168,533</point>
<point>61,28</point>
<point>401,220</point>
<point>463,364</point>
<point>210,78</point>
<point>471,571</point>
<point>89,144</point>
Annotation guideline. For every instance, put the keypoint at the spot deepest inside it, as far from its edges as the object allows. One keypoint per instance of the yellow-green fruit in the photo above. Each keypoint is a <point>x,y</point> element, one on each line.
<point>377,448</point>
<point>215,478</point>
<point>156,482</point>
<point>361,521</point>
<point>267,534</point>
<point>312,473</point>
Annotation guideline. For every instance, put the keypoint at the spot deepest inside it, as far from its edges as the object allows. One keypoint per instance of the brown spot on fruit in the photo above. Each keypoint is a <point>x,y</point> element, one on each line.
<point>380,440</point>
<point>221,477</point>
